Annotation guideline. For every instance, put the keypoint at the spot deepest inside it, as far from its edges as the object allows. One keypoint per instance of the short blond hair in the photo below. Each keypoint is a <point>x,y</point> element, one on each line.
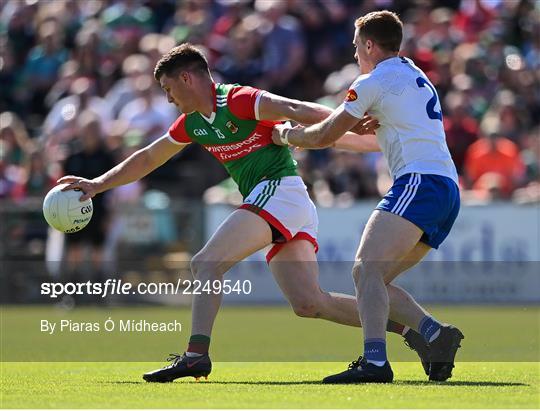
<point>382,27</point>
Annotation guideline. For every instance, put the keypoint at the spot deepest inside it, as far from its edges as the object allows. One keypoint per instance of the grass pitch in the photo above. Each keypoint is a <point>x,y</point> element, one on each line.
<point>279,361</point>
<point>264,385</point>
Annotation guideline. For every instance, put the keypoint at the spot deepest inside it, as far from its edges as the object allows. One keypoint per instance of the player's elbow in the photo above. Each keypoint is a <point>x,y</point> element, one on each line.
<point>295,111</point>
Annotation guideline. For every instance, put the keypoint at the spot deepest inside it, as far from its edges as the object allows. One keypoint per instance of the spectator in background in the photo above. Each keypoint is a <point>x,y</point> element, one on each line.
<point>154,45</point>
<point>219,37</point>
<point>493,164</point>
<point>90,48</point>
<point>37,178</point>
<point>460,127</point>
<point>42,64</point>
<point>284,49</point>
<point>128,21</point>
<point>15,143</point>
<point>192,22</point>
<point>68,73</point>
<point>10,95</point>
<point>90,160</point>
<point>17,17</point>
<point>326,31</point>
<point>145,112</point>
<point>242,63</point>
<point>60,125</point>
<point>15,148</point>
<point>123,91</point>
<point>474,17</point>
<point>442,37</point>
<point>349,177</point>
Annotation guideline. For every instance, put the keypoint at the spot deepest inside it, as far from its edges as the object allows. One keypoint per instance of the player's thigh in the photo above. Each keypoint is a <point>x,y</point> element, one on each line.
<point>239,236</point>
<point>296,271</point>
<point>387,239</point>
<point>416,255</point>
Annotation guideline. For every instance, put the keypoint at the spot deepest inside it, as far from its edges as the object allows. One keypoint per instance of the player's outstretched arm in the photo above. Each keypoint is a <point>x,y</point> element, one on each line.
<point>275,107</point>
<point>320,135</point>
<point>133,168</point>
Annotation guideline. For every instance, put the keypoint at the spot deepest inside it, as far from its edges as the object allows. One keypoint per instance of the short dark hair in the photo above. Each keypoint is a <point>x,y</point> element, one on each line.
<point>183,57</point>
<point>383,27</point>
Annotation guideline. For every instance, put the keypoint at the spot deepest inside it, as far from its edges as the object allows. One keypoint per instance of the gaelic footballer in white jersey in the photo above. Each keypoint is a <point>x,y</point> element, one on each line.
<point>418,211</point>
<point>411,133</point>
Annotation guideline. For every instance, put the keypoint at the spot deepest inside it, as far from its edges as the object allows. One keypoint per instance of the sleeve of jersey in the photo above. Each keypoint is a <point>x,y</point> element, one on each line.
<point>177,132</point>
<point>243,102</point>
<point>361,96</point>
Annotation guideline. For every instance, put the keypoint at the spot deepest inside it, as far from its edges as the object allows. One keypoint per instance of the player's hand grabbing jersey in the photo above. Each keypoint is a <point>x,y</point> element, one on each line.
<point>236,137</point>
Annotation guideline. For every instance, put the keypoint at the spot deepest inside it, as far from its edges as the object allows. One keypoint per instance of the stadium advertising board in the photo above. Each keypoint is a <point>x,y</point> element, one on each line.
<point>491,256</point>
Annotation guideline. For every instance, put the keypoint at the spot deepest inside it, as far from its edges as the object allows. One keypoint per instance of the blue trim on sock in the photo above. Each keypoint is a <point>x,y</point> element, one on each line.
<point>428,326</point>
<point>375,349</point>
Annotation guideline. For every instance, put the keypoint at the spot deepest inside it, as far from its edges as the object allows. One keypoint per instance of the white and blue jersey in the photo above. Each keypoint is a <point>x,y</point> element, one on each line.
<point>411,137</point>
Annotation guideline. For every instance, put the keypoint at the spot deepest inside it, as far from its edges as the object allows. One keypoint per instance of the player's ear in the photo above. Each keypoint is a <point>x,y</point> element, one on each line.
<point>185,77</point>
<point>369,45</point>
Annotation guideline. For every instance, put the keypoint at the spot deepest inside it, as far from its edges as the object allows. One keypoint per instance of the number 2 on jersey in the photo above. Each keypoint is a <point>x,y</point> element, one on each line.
<point>430,106</point>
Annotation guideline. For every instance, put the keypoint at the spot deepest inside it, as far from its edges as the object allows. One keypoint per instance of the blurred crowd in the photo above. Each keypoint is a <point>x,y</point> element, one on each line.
<point>77,93</point>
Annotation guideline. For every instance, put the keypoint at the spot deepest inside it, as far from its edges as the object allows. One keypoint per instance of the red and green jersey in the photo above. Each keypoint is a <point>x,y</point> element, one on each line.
<point>236,137</point>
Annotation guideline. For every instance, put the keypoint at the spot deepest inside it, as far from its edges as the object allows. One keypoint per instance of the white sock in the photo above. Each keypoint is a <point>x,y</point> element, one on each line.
<point>377,363</point>
<point>193,354</point>
<point>405,331</point>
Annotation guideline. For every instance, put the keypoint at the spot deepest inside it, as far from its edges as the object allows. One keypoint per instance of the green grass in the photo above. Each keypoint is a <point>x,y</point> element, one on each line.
<point>264,385</point>
<point>276,360</point>
<point>254,334</point>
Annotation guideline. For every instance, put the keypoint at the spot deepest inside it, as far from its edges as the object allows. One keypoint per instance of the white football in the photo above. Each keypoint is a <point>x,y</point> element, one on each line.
<point>63,210</point>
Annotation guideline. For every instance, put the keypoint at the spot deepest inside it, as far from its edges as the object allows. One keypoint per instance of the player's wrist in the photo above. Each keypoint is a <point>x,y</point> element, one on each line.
<point>99,186</point>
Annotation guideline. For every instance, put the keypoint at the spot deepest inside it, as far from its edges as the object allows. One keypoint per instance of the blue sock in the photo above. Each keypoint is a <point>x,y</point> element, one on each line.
<point>375,351</point>
<point>429,328</point>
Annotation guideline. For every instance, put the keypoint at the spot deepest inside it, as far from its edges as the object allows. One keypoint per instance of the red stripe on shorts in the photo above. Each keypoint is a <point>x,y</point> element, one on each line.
<point>299,236</point>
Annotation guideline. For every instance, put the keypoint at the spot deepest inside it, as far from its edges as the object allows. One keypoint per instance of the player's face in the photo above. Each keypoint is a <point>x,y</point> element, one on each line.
<point>177,91</point>
<point>361,53</point>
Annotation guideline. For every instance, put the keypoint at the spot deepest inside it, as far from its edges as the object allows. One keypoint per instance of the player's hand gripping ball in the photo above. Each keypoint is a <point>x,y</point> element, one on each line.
<point>63,210</point>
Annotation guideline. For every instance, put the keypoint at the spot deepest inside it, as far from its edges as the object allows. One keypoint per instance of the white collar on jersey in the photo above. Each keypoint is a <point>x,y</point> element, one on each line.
<point>209,119</point>
<point>387,61</point>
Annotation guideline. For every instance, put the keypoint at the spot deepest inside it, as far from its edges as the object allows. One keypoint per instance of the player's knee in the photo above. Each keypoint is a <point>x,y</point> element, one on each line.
<point>360,272</point>
<point>358,269</point>
<point>306,307</point>
<point>203,265</point>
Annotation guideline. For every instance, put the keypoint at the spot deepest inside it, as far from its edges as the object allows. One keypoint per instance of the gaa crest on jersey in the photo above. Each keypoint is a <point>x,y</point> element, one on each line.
<point>200,132</point>
<point>351,95</point>
<point>232,127</point>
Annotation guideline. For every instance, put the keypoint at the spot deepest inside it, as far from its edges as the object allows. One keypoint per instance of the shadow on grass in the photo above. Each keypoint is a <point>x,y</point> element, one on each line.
<point>463,383</point>
<point>318,382</point>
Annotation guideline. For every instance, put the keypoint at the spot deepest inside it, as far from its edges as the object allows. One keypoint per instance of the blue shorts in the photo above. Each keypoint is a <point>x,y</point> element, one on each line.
<point>429,201</point>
